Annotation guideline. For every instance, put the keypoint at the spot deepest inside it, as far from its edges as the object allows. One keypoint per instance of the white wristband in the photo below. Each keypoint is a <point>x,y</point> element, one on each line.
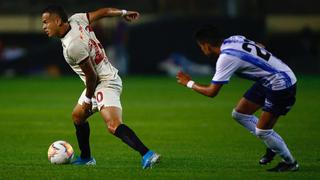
<point>123,12</point>
<point>190,84</point>
<point>87,100</point>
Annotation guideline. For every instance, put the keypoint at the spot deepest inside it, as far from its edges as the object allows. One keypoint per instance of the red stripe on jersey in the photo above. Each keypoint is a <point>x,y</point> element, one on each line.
<point>89,28</point>
<point>98,59</point>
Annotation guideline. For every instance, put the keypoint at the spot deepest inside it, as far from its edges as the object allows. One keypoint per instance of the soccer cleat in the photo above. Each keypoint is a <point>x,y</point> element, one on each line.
<point>88,162</point>
<point>149,159</point>
<point>285,167</point>
<point>268,157</point>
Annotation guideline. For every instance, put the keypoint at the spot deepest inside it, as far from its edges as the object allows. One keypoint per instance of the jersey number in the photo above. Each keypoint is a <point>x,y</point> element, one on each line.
<point>99,96</point>
<point>98,50</point>
<point>266,55</point>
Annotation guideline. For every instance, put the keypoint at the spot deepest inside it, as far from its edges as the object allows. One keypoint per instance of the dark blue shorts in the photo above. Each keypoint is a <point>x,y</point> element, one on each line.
<point>275,102</point>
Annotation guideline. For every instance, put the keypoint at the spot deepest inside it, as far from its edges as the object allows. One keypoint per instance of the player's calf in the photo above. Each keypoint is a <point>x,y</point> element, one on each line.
<point>247,121</point>
<point>83,134</point>
<point>275,142</point>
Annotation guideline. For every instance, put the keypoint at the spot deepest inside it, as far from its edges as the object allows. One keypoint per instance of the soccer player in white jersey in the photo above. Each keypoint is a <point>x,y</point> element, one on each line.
<point>86,56</point>
<point>274,88</point>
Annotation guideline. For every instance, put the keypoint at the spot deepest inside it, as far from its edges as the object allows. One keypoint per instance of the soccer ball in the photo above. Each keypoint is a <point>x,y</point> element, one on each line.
<point>60,152</point>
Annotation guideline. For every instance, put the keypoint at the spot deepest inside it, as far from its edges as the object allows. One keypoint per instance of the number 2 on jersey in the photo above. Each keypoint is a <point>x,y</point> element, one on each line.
<point>262,54</point>
<point>99,55</point>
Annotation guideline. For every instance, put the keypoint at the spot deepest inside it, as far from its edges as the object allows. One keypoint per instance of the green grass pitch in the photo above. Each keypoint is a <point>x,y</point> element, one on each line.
<point>195,135</point>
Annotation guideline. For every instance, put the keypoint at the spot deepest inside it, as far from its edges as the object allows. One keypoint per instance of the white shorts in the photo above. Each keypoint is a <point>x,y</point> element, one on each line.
<point>107,94</point>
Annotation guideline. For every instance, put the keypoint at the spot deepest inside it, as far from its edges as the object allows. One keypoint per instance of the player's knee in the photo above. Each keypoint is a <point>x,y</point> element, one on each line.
<point>76,118</point>
<point>238,116</point>
<point>263,133</point>
<point>113,125</point>
<point>112,128</point>
<point>234,114</point>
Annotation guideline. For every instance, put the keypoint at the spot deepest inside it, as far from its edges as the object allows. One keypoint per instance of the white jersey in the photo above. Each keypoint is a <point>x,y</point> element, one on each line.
<point>80,43</point>
<point>251,61</point>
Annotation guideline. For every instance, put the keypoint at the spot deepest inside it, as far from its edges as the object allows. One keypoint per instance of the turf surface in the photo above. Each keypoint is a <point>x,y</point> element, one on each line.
<point>195,135</point>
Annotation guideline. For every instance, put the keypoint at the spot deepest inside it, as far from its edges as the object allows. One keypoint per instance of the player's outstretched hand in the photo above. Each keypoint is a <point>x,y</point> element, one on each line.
<point>183,78</point>
<point>131,16</point>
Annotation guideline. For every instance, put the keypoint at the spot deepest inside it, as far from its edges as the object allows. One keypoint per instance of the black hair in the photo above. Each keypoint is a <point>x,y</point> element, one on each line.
<point>210,34</point>
<point>58,10</point>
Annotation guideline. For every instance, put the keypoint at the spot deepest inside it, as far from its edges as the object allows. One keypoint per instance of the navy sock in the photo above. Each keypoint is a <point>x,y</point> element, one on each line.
<point>130,138</point>
<point>83,133</point>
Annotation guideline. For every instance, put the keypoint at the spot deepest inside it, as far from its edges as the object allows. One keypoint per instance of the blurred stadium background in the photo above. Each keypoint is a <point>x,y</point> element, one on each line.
<point>289,28</point>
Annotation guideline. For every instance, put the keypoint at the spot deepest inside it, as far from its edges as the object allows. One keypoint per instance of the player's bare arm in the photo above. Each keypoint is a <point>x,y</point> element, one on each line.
<point>91,80</point>
<point>112,12</point>
<point>208,90</point>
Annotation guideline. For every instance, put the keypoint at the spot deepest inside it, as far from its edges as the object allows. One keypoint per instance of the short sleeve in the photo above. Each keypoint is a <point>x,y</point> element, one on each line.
<point>225,68</point>
<point>83,18</point>
<point>78,51</point>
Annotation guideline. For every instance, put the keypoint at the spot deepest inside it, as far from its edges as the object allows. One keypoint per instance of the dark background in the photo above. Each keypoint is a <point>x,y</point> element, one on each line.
<point>165,27</point>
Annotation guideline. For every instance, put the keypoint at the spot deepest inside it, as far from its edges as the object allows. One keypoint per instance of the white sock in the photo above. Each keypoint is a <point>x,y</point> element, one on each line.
<point>276,143</point>
<point>247,121</point>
